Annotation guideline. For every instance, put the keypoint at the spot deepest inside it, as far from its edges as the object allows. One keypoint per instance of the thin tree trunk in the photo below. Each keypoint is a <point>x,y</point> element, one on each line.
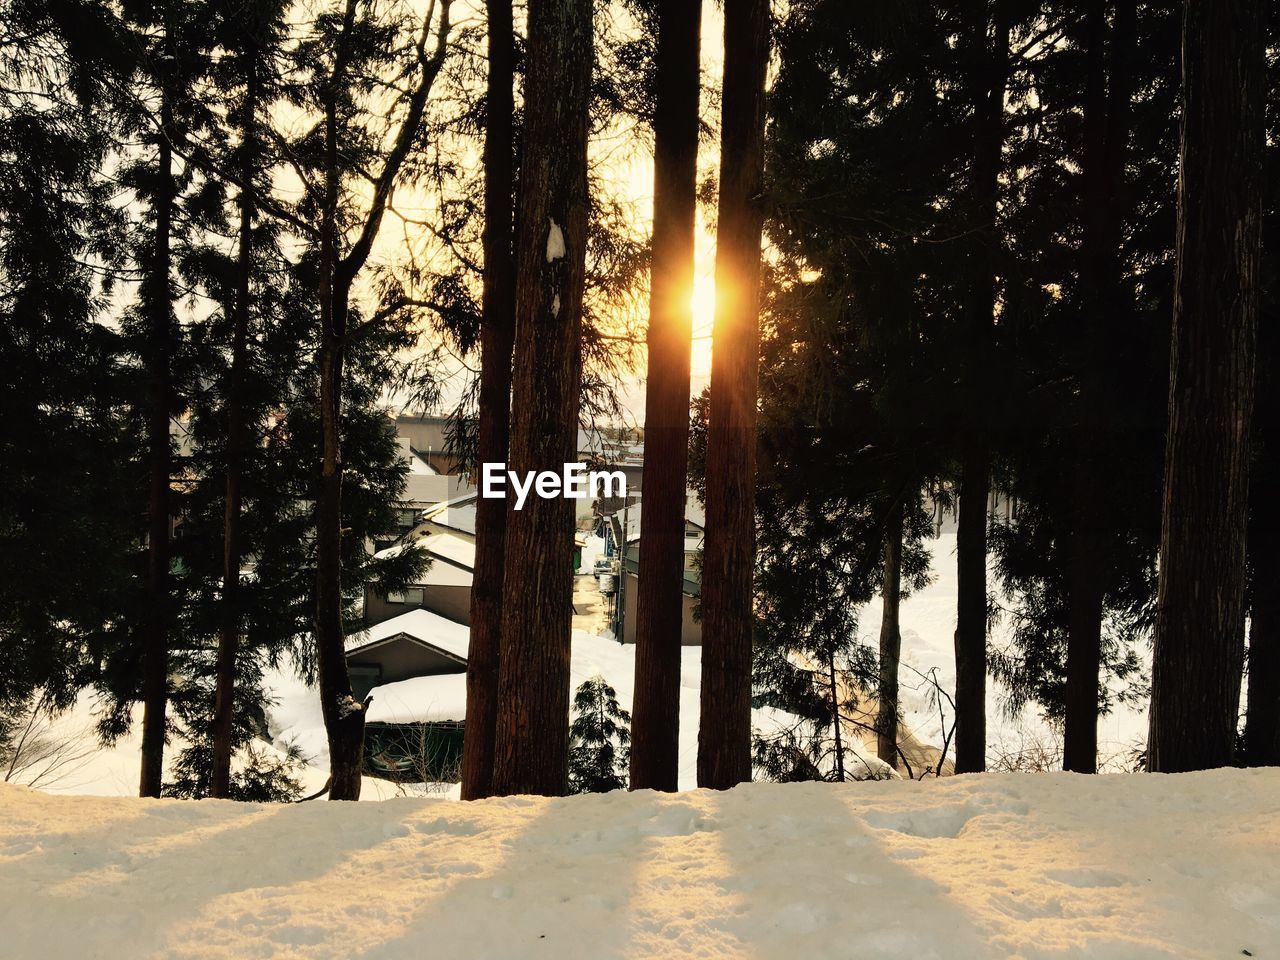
<point>971,611</point>
<point>1106,131</point>
<point>890,642</point>
<point>229,633</point>
<point>497,335</point>
<point>724,732</point>
<point>1199,643</point>
<point>155,670</point>
<point>343,716</point>
<point>532,733</point>
<point>834,695</point>
<point>990,74</point>
<point>655,711</point>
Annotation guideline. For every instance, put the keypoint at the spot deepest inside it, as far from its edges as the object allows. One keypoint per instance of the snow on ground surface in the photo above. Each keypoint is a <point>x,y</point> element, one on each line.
<point>998,865</point>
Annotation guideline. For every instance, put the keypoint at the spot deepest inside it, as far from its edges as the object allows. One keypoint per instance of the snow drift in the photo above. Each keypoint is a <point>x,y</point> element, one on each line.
<point>1007,865</point>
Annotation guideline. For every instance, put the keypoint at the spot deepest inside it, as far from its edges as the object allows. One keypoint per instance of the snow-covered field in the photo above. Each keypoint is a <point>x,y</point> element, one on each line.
<point>928,623</point>
<point>996,865</point>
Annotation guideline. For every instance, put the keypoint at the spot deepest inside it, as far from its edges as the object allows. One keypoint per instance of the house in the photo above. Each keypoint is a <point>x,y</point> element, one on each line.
<point>456,516</point>
<point>628,568</point>
<point>418,643</point>
<point>414,668</point>
<point>429,436</point>
<point>691,591</point>
<point>444,589</point>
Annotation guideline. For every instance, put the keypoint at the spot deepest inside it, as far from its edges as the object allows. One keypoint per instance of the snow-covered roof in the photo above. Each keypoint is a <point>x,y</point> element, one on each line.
<point>450,547</point>
<point>420,467</point>
<point>453,558</point>
<point>420,700</point>
<point>458,513</point>
<point>421,625</point>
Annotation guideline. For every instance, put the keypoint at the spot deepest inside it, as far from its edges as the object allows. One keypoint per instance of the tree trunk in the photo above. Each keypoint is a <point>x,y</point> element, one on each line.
<point>1262,728</point>
<point>971,611</point>
<point>833,691</point>
<point>155,669</point>
<point>724,732</point>
<point>890,642</point>
<point>343,716</point>
<point>990,72</point>
<point>655,711</point>
<point>229,633</point>
<point>1106,131</point>
<point>497,334</point>
<point>532,733</point>
<point>1199,642</point>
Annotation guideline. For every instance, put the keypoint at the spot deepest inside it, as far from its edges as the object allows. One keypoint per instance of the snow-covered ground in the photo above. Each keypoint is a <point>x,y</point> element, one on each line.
<point>996,865</point>
<point>928,624</point>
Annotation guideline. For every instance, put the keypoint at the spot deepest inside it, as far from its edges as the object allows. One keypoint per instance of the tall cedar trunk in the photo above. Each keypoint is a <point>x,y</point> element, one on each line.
<point>229,632</point>
<point>724,732</point>
<point>890,641</point>
<point>1199,643</point>
<point>655,711</point>
<point>343,717</point>
<point>155,670</point>
<point>1106,130</point>
<point>497,334</point>
<point>990,73</point>
<point>1262,727</point>
<point>532,734</point>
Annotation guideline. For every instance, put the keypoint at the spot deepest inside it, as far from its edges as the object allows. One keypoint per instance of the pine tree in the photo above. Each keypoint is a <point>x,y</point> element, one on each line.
<point>724,731</point>
<point>345,55</point>
<point>497,335</point>
<point>1091,398</point>
<point>857,328</point>
<point>655,754</point>
<point>987,73</point>
<point>253,36</point>
<point>176,49</point>
<point>599,739</point>
<point>64,440</point>
<point>1199,641</point>
<point>532,732</point>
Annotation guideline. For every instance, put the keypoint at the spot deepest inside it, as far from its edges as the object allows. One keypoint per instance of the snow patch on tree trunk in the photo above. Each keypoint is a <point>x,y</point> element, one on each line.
<point>555,242</point>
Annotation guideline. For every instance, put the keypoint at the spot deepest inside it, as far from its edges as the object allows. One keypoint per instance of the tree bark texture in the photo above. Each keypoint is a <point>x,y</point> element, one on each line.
<point>655,711</point>
<point>155,626</point>
<point>532,733</point>
<point>724,732</point>
<point>1106,132</point>
<point>1199,642</point>
<point>497,335</point>
<point>229,632</point>
<point>990,73</point>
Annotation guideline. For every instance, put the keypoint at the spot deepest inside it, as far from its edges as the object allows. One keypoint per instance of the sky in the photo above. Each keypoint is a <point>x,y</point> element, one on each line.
<point>625,163</point>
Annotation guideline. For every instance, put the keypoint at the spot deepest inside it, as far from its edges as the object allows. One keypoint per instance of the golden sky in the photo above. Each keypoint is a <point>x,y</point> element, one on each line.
<point>626,167</point>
